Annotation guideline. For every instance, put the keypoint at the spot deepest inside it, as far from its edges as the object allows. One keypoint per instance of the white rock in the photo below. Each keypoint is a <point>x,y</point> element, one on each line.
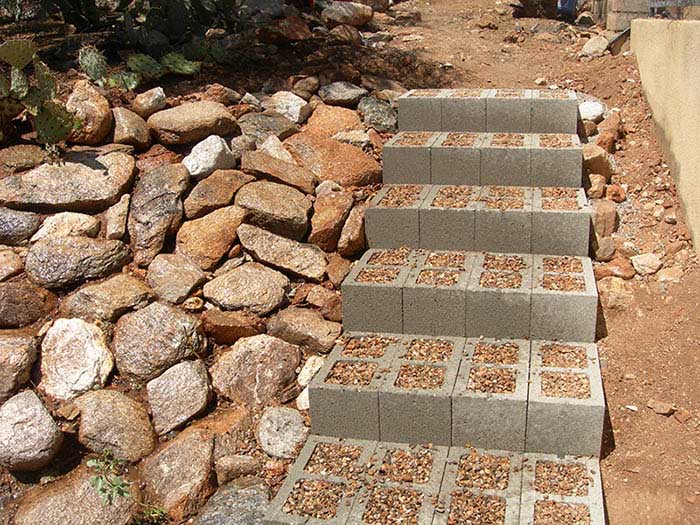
<point>149,102</point>
<point>115,218</point>
<point>273,147</point>
<point>646,263</point>
<point>354,137</point>
<point>290,105</point>
<point>592,110</point>
<point>670,275</point>
<point>74,359</point>
<point>327,186</point>
<point>281,432</point>
<point>208,156</point>
<point>595,47</point>
<point>302,400</point>
<point>311,367</point>
<point>68,224</point>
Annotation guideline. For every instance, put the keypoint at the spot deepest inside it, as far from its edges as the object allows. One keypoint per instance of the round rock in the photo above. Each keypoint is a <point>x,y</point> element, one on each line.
<point>17,226</point>
<point>281,432</point>
<point>341,94</point>
<point>22,303</point>
<point>17,355</point>
<point>174,277</point>
<point>68,224</point>
<point>192,122</point>
<point>92,109</point>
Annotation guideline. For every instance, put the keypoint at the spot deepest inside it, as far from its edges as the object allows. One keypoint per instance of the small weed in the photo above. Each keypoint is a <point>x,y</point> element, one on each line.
<point>108,480</point>
<point>151,516</point>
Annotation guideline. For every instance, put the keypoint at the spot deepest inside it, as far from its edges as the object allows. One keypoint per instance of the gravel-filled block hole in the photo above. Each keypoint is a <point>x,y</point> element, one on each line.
<point>455,197</point>
<point>446,260</point>
<point>493,279</point>
<point>504,204</point>
<point>554,95</point>
<point>401,196</point>
<point>559,193</point>
<point>333,459</point>
<point>466,93</point>
<point>430,350</point>
<point>508,140</point>
<point>425,93</point>
<point>406,466</point>
<point>438,277</point>
<point>508,192</point>
<point>395,257</point>
<point>314,498</point>
<point>555,140</point>
<point>562,264</point>
<point>459,140</point>
<point>561,384</point>
<point>509,93</point>
<point>377,275</point>
<point>562,479</point>
<point>557,355</point>
<point>563,283</point>
<point>556,513</point>
<point>368,346</point>
<point>491,380</point>
<point>514,263</point>
<point>387,506</point>
<point>560,205</point>
<point>413,138</point>
<point>422,377</point>
<point>496,353</point>
<point>351,373</point>
<point>467,508</point>
<point>483,471</point>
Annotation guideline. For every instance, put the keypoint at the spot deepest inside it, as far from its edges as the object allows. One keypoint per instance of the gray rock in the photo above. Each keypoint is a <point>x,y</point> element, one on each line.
<point>109,299</point>
<point>306,87</point>
<point>255,370</point>
<point>91,108</point>
<point>341,94</point>
<point>192,122</point>
<point>156,210</point>
<point>17,355</point>
<point>68,224</point>
<point>113,422</point>
<point>151,340</point>
<point>378,114</point>
<point>74,359</point>
<point>350,13</point>
<point>56,262</point>
<point>241,144</point>
<point>17,226</point>
<point>290,105</point>
<point>276,208</point>
<point>29,437</point>
<point>209,155</point>
<point>281,432</point>
<point>22,303</point>
<point>251,286</point>
<point>259,126</point>
<point>174,277</point>
<point>11,264</point>
<point>178,394</point>
<point>147,103</point>
<point>130,128</point>
<point>214,192</point>
<point>305,328</point>
<point>115,218</point>
<point>242,502</point>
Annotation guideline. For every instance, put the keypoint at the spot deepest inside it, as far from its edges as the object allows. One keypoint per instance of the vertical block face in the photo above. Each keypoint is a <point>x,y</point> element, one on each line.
<point>456,159</point>
<point>447,218</point>
<point>564,299</point>
<point>421,109</point>
<point>392,219</point>
<point>554,111</point>
<point>504,220</point>
<point>498,296</point>
<point>561,490</point>
<point>556,160</point>
<point>480,484</point>
<point>415,404</point>
<point>464,110</point>
<point>509,110</point>
<point>407,158</point>
<point>489,401</point>
<point>344,395</point>
<point>505,159</point>
<point>566,394</point>
<point>561,221</point>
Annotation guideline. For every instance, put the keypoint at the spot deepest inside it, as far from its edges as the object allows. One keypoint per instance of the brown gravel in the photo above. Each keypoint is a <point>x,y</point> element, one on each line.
<point>424,93</point>
<point>514,263</point>
<point>555,140</point>
<point>423,377</point>
<point>460,140</point>
<point>388,506</point>
<point>491,380</point>
<point>558,355</point>
<point>431,350</point>
<point>504,204</point>
<point>395,257</point>
<point>558,193</point>
<point>331,459</point>
<point>509,93</point>
<point>562,479</point>
<point>483,471</point>
<point>467,93</point>
<point>511,192</point>
<point>413,138</point>
<point>508,140</point>
<point>455,197</point>
<point>491,279</point>
<point>377,275</point>
<point>314,498</point>
<point>561,384</point>
<point>446,260</point>
<point>401,196</point>
<point>496,353</point>
<point>407,466</point>
<point>368,346</point>
<point>562,264</point>
<point>467,508</point>
<point>563,282</point>
<point>355,373</point>
<point>555,513</point>
<point>553,94</point>
<point>438,277</point>
<point>560,204</point>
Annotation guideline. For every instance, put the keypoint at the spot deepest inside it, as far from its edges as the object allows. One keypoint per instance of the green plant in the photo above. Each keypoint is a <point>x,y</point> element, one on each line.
<point>108,480</point>
<point>151,516</point>
<point>93,63</point>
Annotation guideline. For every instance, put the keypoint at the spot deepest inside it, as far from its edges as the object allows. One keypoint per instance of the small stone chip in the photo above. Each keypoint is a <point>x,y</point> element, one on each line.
<point>483,471</point>
<point>423,377</point>
<point>562,479</point>
<point>314,498</point>
<point>466,508</point>
<point>491,380</point>
<point>355,373</point>
<point>561,384</point>
<point>496,353</point>
<point>388,506</point>
<point>554,513</point>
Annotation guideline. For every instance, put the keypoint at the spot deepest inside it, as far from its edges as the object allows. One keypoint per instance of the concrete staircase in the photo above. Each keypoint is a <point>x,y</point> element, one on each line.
<point>467,387</point>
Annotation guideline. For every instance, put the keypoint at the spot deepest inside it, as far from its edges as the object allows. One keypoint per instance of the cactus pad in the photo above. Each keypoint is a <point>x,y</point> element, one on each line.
<point>92,62</point>
<point>53,123</point>
<point>176,63</point>
<point>144,65</point>
<point>18,53</point>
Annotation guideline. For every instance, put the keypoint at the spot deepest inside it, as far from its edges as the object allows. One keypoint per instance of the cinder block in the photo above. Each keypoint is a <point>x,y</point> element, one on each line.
<point>488,480</point>
<point>447,218</point>
<point>456,159</point>
<point>464,110</point>
<point>421,109</point>
<point>556,160</point>
<point>498,299</point>
<point>489,403</point>
<point>407,158</point>
<point>392,219</point>
<point>561,221</point>
<point>505,159</point>
<point>621,21</point>
<point>564,303</point>
<point>390,459</point>
<point>503,220</point>
<point>566,407</point>
<point>554,111</point>
<point>415,404</point>
<point>577,501</point>
<point>509,110</point>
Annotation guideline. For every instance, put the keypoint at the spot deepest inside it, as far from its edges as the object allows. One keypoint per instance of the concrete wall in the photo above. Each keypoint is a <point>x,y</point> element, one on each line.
<point>668,54</point>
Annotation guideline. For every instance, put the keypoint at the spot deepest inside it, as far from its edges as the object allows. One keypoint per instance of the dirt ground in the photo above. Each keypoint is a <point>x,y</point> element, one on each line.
<point>651,464</point>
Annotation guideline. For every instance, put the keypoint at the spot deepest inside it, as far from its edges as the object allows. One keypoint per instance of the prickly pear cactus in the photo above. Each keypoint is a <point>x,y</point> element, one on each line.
<point>93,63</point>
<point>18,53</point>
<point>53,123</point>
<point>178,64</point>
<point>144,65</point>
<point>124,80</point>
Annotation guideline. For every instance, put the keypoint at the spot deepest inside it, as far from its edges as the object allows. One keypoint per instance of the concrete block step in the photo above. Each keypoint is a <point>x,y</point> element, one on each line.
<point>497,110</point>
<point>487,392</point>
<point>548,220</point>
<point>505,159</point>
<point>365,482</point>
<point>621,21</point>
